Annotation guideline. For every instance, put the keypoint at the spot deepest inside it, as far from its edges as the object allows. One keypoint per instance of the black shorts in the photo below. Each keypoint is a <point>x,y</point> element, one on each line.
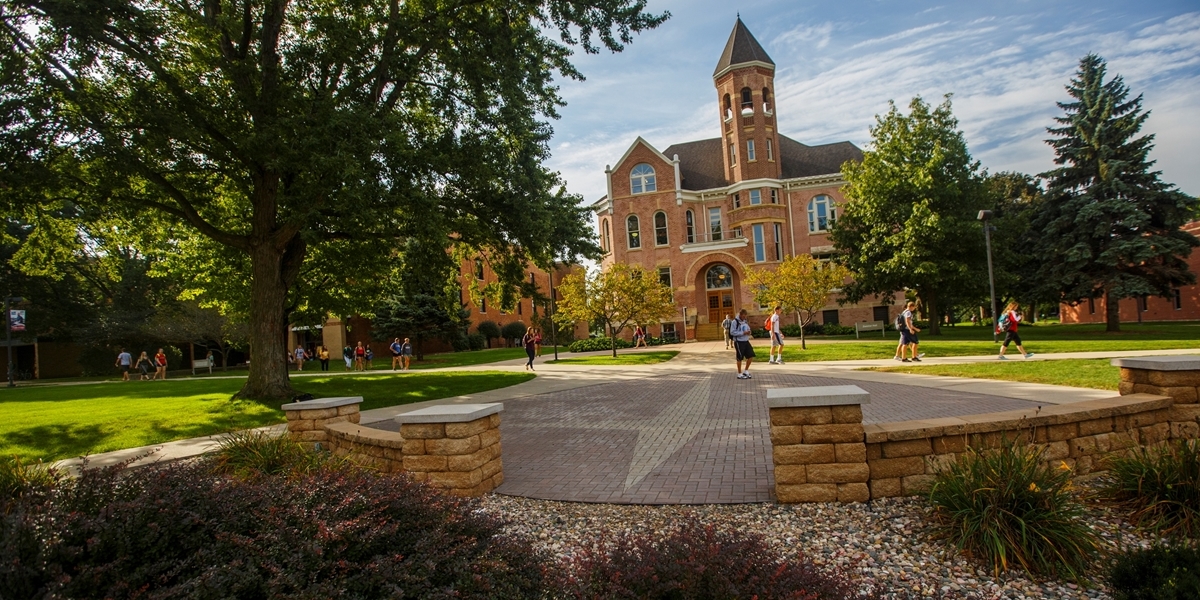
<point>907,337</point>
<point>744,350</point>
<point>1011,336</point>
<point>125,368</point>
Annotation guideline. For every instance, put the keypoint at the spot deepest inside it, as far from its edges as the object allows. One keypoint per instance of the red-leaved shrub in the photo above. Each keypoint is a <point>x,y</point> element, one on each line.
<point>696,562</point>
<point>186,532</point>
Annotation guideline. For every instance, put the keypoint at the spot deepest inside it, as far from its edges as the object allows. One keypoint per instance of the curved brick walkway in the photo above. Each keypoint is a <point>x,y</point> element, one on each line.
<point>681,438</point>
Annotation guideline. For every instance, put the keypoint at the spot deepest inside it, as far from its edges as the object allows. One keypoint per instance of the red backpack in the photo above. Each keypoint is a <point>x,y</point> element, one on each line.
<point>767,324</point>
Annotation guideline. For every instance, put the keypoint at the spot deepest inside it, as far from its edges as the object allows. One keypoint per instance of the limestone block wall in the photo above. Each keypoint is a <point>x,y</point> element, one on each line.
<point>817,444</point>
<point>454,447</point>
<point>373,448</point>
<point>903,457</point>
<point>1175,376</point>
<point>306,421</point>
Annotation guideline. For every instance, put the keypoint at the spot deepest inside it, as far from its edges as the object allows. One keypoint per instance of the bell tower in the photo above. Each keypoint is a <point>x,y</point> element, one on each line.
<point>745,82</point>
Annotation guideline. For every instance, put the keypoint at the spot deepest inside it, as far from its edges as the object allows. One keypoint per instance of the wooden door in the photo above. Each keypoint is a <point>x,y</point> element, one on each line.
<point>720,303</point>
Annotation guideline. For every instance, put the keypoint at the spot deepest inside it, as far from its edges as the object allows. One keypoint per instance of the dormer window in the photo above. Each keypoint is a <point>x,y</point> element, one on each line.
<point>641,179</point>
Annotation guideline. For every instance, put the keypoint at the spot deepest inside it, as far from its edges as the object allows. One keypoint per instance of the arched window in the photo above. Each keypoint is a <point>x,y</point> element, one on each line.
<point>766,100</point>
<point>718,277</point>
<point>747,98</point>
<point>691,227</point>
<point>821,214</point>
<point>728,109</point>
<point>479,268</point>
<point>660,229</point>
<point>605,238</point>
<point>641,179</point>
<point>631,231</point>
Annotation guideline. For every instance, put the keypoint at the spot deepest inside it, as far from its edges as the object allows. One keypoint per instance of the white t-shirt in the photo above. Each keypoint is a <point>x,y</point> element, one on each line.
<point>908,319</point>
<point>775,323</point>
<point>125,359</point>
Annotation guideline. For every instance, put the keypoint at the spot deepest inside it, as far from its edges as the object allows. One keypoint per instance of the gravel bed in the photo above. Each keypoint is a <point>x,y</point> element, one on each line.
<point>886,545</point>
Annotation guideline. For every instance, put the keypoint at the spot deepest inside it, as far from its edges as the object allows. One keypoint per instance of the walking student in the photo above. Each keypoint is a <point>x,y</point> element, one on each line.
<point>348,356</point>
<point>160,364</point>
<point>323,356</point>
<point>725,325</point>
<point>908,336</point>
<point>776,338</point>
<point>300,356</point>
<point>639,337</point>
<point>125,363</point>
<point>739,330</point>
<point>530,350</point>
<point>1008,326</point>
<point>406,353</point>
<point>397,360</point>
<point>360,357</point>
<point>143,366</point>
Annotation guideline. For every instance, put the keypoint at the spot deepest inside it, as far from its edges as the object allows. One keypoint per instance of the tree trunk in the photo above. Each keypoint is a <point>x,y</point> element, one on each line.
<point>273,269</point>
<point>803,346</point>
<point>613,340</point>
<point>1112,313</point>
<point>931,312</point>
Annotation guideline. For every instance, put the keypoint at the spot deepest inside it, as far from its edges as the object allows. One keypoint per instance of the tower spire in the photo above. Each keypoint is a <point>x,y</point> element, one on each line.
<point>741,48</point>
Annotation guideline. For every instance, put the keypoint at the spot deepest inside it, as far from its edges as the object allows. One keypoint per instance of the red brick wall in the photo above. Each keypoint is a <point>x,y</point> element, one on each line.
<point>1157,308</point>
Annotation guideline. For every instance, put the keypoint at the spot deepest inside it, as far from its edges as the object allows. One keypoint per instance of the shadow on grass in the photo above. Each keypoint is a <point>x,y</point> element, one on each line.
<point>55,441</point>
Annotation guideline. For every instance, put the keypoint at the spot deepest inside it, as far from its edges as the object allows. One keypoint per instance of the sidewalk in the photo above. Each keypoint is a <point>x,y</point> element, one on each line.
<point>710,357</point>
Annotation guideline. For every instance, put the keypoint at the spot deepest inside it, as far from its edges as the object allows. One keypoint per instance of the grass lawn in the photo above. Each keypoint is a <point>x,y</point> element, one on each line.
<point>1088,373</point>
<point>969,340</point>
<point>639,358</point>
<point>54,422</point>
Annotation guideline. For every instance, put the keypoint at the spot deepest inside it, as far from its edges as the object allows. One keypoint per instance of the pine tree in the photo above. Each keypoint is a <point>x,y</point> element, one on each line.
<point>1110,224</point>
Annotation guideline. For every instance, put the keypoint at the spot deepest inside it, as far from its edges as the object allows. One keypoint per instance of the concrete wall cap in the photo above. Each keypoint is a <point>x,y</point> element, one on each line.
<point>320,403</point>
<point>829,395</point>
<point>450,413</point>
<point>1159,363</point>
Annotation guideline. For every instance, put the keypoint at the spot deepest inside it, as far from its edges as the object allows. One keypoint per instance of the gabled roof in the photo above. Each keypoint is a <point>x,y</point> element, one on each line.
<point>741,48</point>
<point>702,164</point>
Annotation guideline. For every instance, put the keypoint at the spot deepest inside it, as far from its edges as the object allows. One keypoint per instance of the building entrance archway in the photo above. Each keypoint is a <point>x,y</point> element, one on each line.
<point>718,282</point>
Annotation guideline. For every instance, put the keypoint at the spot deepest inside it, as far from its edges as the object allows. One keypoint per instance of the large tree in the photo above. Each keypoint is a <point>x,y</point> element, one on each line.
<point>909,220</point>
<point>1110,224</point>
<point>800,284</point>
<point>285,148</point>
<point>622,295</point>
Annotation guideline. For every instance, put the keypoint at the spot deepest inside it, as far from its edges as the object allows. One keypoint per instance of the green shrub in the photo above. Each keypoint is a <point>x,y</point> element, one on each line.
<point>255,453</point>
<point>1159,573</point>
<point>476,341</point>
<point>1006,507</point>
<point>18,478</point>
<point>594,344</point>
<point>1161,485</point>
<point>489,329</point>
<point>514,330</point>
<point>835,329</point>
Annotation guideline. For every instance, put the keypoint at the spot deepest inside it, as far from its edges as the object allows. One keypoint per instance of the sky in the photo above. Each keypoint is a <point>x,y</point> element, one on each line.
<point>839,63</point>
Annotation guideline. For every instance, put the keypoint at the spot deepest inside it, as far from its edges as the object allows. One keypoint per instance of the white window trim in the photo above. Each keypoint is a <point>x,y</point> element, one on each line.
<point>666,229</point>
<point>653,175</point>
<point>629,233</point>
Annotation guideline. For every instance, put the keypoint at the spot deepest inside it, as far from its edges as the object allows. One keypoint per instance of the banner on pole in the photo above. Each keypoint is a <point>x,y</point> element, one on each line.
<point>16,320</point>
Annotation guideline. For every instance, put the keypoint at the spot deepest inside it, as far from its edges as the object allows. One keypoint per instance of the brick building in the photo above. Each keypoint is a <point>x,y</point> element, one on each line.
<point>1183,305</point>
<point>701,213</point>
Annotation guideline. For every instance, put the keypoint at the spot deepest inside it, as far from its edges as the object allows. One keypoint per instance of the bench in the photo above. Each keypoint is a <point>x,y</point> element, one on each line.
<point>862,326</point>
<point>203,363</point>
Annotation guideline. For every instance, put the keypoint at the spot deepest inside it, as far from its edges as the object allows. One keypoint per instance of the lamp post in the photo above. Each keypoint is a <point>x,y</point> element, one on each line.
<point>986,217</point>
<point>553,325</point>
<point>8,334</point>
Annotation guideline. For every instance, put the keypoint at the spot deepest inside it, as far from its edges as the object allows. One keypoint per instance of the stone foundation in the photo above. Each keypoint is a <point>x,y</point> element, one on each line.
<point>455,447</point>
<point>306,421</point>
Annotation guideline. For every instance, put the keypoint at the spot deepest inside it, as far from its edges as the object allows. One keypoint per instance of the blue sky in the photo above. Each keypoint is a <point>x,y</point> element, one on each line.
<point>838,64</point>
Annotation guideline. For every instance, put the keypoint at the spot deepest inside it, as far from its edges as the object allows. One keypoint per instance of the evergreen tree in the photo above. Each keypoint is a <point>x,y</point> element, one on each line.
<point>1110,224</point>
<point>910,215</point>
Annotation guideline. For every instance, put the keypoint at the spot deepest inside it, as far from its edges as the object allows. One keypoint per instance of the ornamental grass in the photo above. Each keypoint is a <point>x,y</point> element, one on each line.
<point>1161,485</point>
<point>1010,509</point>
<point>256,453</point>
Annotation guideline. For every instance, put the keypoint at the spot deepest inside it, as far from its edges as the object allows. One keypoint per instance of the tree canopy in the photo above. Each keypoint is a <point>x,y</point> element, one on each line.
<point>284,151</point>
<point>622,295</point>
<point>1111,224</point>
<point>909,220</point>
<point>800,284</point>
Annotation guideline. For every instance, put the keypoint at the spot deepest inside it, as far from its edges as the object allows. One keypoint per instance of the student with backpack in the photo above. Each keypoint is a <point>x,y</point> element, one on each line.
<point>725,325</point>
<point>908,333</point>
<point>776,333</point>
<point>1007,324</point>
